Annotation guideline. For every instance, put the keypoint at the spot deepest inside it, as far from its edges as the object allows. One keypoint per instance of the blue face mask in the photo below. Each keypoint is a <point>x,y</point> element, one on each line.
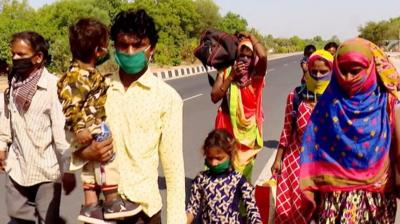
<point>132,64</point>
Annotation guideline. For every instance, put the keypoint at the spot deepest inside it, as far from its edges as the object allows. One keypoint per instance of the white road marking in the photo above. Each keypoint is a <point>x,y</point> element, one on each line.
<point>192,97</point>
<point>285,64</point>
<point>271,70</point>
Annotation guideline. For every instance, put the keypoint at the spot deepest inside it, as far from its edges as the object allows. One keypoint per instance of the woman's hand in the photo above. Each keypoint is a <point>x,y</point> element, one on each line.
<point>238,69</point>
<point>277,165</point>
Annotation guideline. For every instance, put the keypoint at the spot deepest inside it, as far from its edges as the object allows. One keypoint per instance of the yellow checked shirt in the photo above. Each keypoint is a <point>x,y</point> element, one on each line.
<point>146,125</point>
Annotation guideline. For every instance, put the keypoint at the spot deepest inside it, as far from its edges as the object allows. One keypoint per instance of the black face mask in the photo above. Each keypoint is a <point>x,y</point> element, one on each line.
<point>22,66</point>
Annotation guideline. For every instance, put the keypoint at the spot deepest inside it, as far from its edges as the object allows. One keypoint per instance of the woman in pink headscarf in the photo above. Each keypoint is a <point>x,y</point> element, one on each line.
<point>349,151</point>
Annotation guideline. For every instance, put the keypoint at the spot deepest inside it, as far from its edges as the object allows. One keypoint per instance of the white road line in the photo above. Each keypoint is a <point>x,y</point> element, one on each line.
<point>285,64</point>
<point>192,97</point>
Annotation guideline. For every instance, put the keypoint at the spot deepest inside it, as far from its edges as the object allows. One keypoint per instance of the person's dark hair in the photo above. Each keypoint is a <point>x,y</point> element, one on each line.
<point>136,22</point>
<point>309,49</point>
<point>330,45</point>
<point>4,67</point>
<point>220,138</point>
<point>36,41</point>
<point>85,36</point>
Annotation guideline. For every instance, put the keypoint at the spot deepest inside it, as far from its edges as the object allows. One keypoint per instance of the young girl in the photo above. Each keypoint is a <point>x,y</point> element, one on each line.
<point>218,190</point>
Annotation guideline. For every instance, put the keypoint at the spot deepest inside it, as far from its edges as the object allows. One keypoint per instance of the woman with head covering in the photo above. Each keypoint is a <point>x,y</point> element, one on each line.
<point>300,103</point>
<point>240,88</point>
<point>345,167</point>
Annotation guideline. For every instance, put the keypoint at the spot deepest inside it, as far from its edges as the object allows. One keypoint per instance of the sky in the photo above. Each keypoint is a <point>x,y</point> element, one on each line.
<point>304,18</point>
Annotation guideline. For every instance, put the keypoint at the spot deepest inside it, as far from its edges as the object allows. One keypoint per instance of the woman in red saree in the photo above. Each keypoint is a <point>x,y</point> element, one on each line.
<point>240,89</point>
<point>287,160</point>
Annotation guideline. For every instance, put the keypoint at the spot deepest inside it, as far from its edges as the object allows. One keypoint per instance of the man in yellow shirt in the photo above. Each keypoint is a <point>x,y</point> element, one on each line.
<point>145,118</point>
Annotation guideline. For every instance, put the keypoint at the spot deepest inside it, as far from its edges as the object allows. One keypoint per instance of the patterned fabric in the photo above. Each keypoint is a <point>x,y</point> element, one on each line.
<point>324,55</point>
<point>213,197</point>
<point>289,200</point>
<point>23,91</point>
<point>356,207</point>
<point>346,143</point>
<point>146,122</point>
<point>37,137</point>
<point>82,92</point>
<point>317,84</point>
<point>360,48</point>
<point>242,115</point>
<point>245,112</point>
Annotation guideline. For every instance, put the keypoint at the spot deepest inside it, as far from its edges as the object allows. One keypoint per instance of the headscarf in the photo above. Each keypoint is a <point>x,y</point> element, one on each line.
<point>317,85</point>
<point>244,77</point>
<point>346,143</point>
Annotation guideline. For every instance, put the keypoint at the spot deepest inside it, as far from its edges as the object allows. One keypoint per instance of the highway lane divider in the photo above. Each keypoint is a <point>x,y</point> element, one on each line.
<point>180,71</point>
<point>190,70</point>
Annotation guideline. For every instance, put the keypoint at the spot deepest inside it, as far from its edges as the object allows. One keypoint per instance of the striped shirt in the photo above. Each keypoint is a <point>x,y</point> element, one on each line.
<point>37,137</point>
<point>1,103</point>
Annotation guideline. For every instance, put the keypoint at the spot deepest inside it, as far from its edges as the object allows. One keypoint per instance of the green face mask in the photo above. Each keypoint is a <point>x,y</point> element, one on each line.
<point>132,64</point>
<point>220,168</point>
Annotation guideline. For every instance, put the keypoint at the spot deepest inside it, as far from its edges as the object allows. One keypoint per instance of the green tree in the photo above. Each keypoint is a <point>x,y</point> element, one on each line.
<point>232,23</point>
<point>374,31</point>
<point>179,22</point>
<point>175,20</point>
<point>15,16</point>
<point>335,39</point>
<point>209,15</point>
<point>297,43</point>
<point>54,20</point>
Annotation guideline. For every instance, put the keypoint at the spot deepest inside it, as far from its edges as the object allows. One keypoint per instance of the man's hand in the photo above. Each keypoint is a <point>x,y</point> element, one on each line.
<point>68,182</point>
<point>3,157</point>
<point>84,136</point>
<point>97,151</point>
